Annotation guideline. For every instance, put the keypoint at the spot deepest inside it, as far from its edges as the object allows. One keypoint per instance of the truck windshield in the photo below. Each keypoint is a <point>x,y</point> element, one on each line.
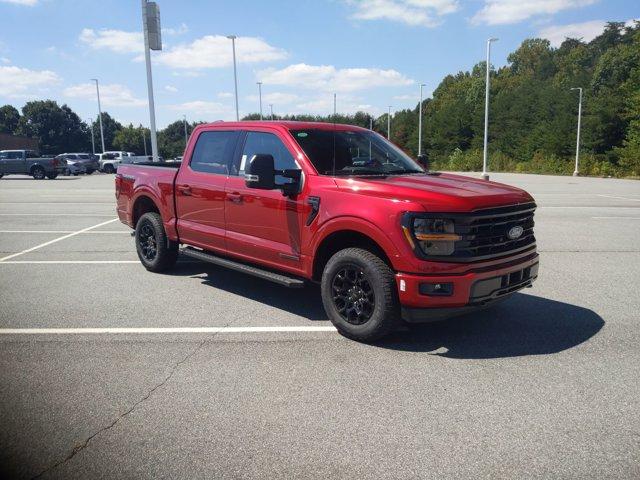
<point>353,152</point>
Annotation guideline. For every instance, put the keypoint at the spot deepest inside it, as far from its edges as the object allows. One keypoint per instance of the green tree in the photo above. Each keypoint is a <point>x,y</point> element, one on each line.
<point>9,119</point>
<point>110,128</point>
<point>133,139</point>
<point>58,128</point>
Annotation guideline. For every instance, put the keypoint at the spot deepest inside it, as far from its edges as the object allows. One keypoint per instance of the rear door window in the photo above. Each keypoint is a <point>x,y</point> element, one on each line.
<point>213,151</point>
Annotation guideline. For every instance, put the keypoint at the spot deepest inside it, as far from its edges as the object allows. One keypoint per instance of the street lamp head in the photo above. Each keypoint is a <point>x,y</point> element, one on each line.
<point>231,37</point>
<point>493,39</point>
<point>576,88</point>
<point>423,84</point>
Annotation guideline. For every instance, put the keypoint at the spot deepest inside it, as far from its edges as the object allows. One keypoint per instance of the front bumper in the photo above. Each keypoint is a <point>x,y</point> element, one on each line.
<point>469,291</point>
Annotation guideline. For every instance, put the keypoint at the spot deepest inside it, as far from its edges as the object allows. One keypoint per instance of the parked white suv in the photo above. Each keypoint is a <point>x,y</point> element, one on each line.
<point>109,161</point>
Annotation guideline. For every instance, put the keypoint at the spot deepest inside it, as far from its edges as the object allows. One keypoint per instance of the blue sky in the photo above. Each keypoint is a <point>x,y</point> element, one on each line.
<point>373,53</point>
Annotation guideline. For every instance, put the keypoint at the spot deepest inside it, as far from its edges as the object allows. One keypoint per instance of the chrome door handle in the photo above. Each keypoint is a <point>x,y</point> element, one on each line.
<point>234,197</point>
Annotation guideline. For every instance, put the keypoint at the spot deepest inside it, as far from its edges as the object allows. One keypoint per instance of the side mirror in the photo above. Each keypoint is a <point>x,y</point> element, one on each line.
<point>260,173</point>
<point>423,160</point>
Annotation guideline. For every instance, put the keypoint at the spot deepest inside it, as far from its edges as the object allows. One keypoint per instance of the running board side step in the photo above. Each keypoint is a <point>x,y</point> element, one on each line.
<point>279,278</point>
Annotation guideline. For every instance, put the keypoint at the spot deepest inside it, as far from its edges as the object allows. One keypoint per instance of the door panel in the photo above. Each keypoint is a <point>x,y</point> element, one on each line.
<point>200,190</point>
<point>263,225</point>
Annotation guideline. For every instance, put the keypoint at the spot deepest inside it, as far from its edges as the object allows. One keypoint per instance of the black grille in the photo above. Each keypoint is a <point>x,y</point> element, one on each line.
<point>485,233</point>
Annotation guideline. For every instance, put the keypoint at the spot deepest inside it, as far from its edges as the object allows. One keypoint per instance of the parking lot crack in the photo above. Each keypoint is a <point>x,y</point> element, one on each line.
<point>79,447</point>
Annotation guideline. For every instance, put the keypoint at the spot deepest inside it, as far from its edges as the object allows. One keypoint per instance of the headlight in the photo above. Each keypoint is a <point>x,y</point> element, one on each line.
<point>434,236</point>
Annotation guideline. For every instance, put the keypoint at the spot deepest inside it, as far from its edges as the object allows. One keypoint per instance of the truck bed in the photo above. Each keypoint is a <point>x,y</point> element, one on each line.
<point>156,180</point>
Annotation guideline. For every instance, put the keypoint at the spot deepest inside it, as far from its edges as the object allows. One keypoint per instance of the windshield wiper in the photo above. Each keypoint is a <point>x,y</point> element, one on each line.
<point>401,172</point>
<point>358,173</point>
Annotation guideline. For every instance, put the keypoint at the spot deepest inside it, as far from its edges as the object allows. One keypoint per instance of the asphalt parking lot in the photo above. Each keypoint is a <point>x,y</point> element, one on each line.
<point>544,385</point>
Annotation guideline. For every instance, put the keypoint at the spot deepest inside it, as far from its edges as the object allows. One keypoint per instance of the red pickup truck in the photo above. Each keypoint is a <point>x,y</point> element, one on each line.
<point>294,202</point>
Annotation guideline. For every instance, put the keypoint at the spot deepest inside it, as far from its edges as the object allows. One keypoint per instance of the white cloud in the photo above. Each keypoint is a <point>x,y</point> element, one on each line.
<point>16,82</point>
<point>201,107</point>
<point>406,97</point>
<point>330,78</point>
<point>411,12</point>
<point>28,3</point>
<point>502,12</point>
<point>277,98</point>
<point>587,31</point>
<point>115,40</point>
<point>181,30</point>
<point>111,95</point>
<point>5,60</point>
<point>170,88</point>
<point>214,51</point>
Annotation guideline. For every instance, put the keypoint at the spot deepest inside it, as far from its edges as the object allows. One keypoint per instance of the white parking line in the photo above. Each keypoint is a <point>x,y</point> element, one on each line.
<point>142,330</point>
<point>56,214</point>
<point>68,262</point>
<point>617,218</point>
<point>619,198</point>
<point>56,240</point>
<point>65,231</point>
<point>58,203</point>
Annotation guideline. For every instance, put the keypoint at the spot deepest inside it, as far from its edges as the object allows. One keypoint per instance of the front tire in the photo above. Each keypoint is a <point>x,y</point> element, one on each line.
<point>156,252</point>
<point>359,295</point>
<point>108,168</point>
<point>52,176</point>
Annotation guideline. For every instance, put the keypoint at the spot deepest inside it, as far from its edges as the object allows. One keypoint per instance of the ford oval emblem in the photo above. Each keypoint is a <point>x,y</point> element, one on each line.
<point>515,232</point>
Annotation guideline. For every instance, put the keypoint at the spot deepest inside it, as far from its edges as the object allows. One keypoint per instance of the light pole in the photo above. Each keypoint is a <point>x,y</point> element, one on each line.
<point>152,40</point>
<point>485,175</point>
<point>235,72</point>
<point>186,136</point>
<point>575,172</point>
<point>334,108</point>
<point>144,142</point>
<point>93,143</point>
<point>99,113</point>
<point>260,97</point>
<point>271,107</point>
<point>420,122</point>
<point>389,123</point>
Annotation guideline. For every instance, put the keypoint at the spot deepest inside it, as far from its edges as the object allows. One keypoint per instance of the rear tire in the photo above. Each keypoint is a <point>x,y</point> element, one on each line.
<point>108,168</point>
<point>38,173</point>
<point>52,176</point>
<point>359,294</point>
<point>156,252</point>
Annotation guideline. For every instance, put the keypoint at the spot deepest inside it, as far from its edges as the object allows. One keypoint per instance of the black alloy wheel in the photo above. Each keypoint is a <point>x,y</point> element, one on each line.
<point>38,173</point>
<point>148,243</point>
<point>353,295</point>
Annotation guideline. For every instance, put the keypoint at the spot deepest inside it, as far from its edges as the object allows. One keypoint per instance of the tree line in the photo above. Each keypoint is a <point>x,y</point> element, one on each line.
<point>533,117</point>
<point>59,129</point>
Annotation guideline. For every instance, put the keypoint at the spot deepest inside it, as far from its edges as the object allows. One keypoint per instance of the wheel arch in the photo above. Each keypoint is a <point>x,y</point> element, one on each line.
<point>141,205</point>
<point>350,235</point>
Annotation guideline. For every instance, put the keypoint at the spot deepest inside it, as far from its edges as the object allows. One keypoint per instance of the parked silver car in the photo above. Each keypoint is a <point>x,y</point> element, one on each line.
<point>88,162</point>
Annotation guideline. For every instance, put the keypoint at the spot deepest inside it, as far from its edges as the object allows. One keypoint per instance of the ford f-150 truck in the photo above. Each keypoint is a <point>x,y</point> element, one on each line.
<point>27,162</point>
<point>296,202</point>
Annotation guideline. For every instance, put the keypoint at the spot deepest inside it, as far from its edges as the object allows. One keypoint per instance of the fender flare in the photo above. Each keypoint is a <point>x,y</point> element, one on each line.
<point>359,225</point>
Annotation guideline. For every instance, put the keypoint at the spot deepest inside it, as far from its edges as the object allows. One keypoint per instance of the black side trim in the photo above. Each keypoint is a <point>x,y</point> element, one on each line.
<point>315,209</point>
<point>279,278</point>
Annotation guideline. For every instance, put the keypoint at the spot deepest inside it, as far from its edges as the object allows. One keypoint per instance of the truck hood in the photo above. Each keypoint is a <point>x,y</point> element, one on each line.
<point>439,192</point>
